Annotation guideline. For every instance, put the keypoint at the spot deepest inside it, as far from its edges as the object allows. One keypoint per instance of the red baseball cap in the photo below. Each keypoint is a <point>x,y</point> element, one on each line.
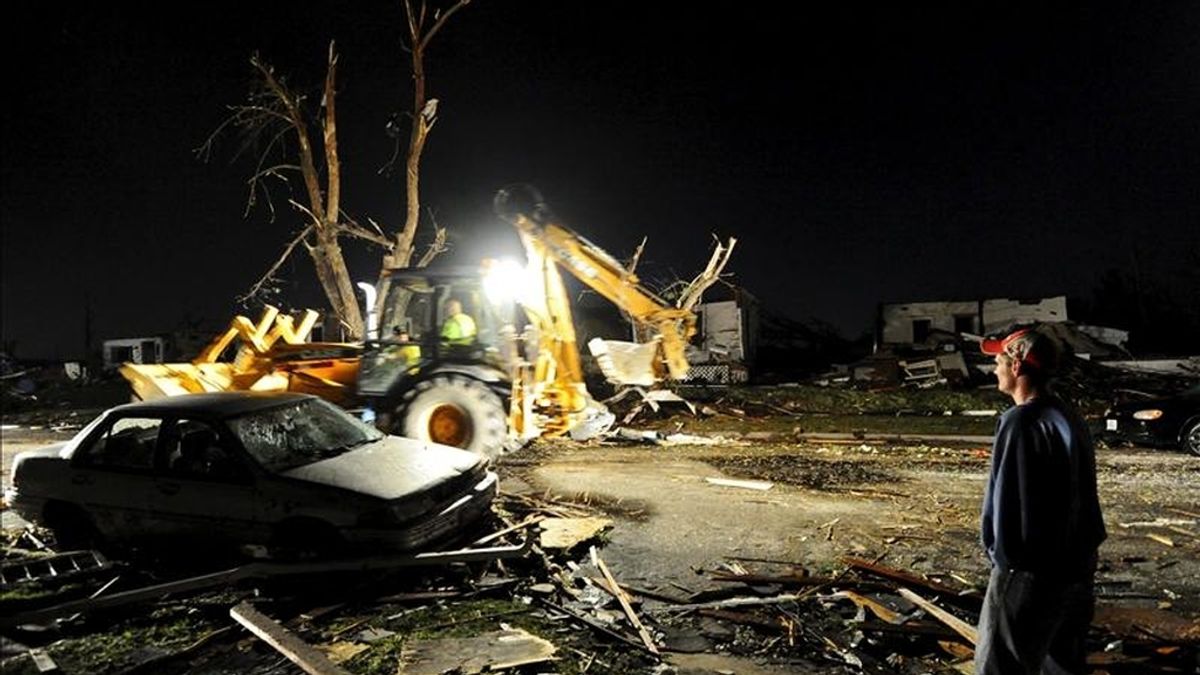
<point>1025,345</point>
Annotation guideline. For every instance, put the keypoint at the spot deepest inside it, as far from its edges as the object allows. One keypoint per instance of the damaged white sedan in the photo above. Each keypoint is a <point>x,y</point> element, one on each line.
<point>287,471</point>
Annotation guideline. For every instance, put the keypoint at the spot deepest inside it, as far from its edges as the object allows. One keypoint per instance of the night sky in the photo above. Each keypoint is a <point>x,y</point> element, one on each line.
<point>859,154</point>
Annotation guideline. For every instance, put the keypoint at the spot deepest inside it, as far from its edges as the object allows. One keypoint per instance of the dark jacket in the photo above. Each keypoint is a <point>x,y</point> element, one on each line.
<point>1040,510</point>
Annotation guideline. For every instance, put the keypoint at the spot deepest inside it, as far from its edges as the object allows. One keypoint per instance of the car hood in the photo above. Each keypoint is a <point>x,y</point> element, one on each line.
<point>390,468</point>
<point>48,451</point>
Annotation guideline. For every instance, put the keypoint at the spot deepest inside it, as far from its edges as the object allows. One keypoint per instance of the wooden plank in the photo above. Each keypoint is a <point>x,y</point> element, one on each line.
<point>887,614</point>
<point>623,598</point>
<point>1165,541</point>
<point>284,641</point>
<point>956,624</point>
<point>732,602</point>
<point>511,528</point>
<point>745,484</point>
<point>899,575</point>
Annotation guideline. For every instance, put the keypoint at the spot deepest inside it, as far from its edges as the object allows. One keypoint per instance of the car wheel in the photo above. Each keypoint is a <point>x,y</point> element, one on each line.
<point>455,410</point>
<point>305,539</point>
<point>1189,440</point>
<point>73,529</point>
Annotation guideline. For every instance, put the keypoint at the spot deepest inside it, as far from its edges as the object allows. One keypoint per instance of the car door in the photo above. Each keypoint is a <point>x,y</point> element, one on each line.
<point>111,476</point>
<point>203,485</point>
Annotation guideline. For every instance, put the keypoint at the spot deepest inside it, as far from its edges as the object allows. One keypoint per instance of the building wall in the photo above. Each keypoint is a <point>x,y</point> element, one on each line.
<point>900,322</point>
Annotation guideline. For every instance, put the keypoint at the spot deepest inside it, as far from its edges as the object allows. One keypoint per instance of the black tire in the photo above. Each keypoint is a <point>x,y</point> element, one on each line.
<point>454,410</point>
<point>1189,439</point>
<point>73,529</point>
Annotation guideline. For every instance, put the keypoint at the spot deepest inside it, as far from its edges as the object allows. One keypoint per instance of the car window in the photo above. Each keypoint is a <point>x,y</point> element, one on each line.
<point>192,449</point>
<point>300,433</point>
<point>128,443</point>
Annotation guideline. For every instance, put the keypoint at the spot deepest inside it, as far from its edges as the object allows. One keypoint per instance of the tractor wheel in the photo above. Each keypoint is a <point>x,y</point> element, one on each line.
<point>455,410</point>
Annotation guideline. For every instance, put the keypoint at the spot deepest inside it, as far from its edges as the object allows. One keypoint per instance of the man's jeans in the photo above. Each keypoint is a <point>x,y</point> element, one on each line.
<point>1031,623</point>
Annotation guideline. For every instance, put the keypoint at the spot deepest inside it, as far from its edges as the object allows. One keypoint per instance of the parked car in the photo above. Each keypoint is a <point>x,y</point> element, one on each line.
<point>1169,421</point>
<point>288,471</point>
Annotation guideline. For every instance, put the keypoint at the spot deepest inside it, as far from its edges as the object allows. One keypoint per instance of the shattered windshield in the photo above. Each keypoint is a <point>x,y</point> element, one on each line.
<point>301,433</point>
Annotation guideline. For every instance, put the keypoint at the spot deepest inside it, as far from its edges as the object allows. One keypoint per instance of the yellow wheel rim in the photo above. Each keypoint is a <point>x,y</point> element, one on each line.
<point>449,425</point>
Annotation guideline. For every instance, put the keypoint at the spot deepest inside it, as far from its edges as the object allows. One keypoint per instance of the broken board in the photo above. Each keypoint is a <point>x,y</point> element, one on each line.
<point>488,652</point>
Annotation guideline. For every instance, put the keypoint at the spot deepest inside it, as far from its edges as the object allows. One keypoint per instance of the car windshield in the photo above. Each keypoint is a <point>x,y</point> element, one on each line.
<point>300,433</point>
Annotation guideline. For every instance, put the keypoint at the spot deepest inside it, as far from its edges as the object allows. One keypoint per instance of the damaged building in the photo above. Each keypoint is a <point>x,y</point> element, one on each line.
<point>911,323</point>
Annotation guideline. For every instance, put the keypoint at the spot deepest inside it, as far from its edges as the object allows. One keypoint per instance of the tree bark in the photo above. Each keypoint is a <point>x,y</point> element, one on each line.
<point>424,115</point>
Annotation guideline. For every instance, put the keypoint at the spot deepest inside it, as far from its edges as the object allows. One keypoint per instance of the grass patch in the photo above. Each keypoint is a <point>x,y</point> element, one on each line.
<point>130,642</point>
<point>474,617</point>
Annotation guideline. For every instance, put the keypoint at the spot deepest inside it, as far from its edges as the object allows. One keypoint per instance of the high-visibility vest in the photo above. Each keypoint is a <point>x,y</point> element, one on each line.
<point>458,329</point>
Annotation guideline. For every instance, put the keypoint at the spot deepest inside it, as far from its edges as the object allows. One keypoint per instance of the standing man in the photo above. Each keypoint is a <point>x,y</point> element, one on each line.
<point>1041,521</point>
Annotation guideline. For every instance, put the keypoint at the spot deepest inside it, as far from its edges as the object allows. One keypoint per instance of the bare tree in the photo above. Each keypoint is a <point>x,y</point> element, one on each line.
<point>275,114</point>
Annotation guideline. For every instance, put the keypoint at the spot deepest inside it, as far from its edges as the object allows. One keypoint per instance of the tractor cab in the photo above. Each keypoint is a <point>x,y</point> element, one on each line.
<point>438,332</point>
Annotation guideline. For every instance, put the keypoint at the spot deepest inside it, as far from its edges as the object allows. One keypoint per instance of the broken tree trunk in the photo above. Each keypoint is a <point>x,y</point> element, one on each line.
<point>712,272</point>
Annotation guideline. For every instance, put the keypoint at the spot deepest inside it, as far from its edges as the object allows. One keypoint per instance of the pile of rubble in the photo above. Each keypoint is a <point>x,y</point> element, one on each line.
<point>535,589</point>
